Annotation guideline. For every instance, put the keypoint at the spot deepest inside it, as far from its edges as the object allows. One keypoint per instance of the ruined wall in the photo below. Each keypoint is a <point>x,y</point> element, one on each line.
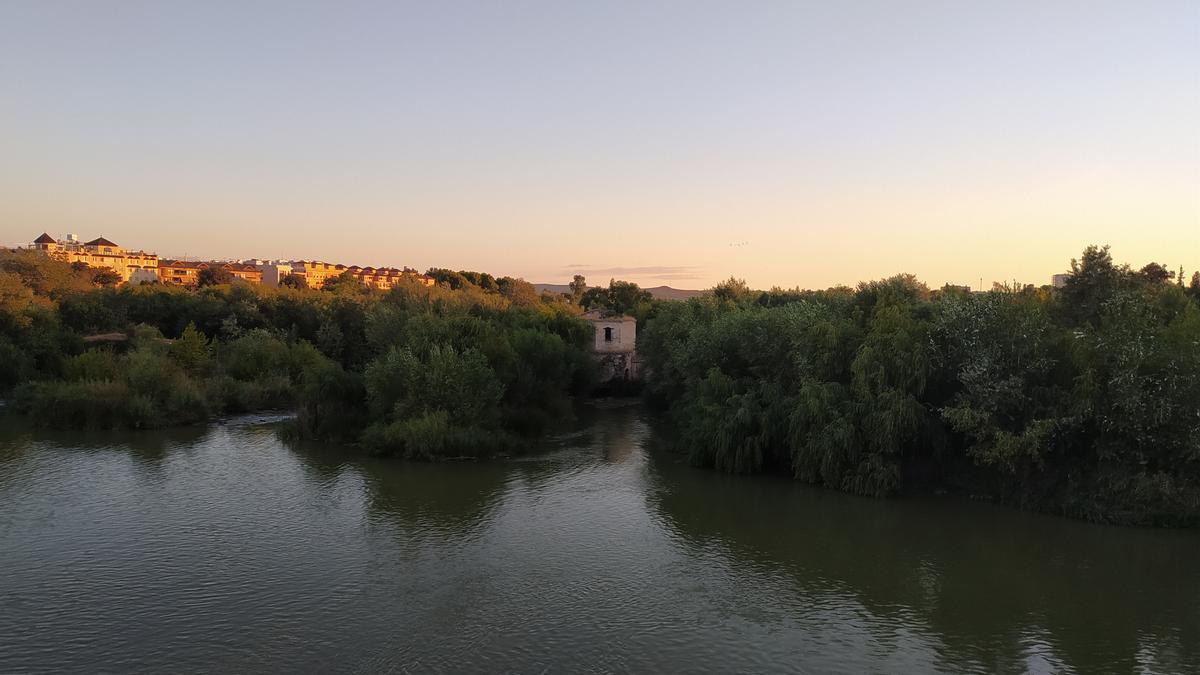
<point>617,366</point>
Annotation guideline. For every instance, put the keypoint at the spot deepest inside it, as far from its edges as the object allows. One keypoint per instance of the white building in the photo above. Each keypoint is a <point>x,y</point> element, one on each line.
<point>615,345</point>
<point>273,271</point>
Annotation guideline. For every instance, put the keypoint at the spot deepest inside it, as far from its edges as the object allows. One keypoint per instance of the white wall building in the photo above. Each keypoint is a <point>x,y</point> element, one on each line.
<point>615,345</point>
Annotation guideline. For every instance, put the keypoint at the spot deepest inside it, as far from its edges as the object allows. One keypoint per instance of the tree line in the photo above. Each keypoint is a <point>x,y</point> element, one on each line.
<point>1083,401</point>
<point>460,369</point>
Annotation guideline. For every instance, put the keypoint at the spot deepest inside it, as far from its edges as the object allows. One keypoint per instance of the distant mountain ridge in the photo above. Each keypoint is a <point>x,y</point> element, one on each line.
<point>659,292</point>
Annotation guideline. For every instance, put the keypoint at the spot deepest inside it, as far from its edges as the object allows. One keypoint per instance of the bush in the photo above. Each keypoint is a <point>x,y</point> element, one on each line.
<point>94,364</point>
<point>91,404</point>
<point>431,436</point>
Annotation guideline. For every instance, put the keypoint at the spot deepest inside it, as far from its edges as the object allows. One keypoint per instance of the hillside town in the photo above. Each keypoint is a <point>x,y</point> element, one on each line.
<point>135,267</point>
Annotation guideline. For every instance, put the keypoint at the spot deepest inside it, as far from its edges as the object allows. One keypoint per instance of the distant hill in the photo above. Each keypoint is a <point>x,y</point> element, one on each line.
<point>659,292</point>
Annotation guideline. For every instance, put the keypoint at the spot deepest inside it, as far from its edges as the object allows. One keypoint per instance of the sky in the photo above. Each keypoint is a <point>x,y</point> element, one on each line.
<point>785,143</point>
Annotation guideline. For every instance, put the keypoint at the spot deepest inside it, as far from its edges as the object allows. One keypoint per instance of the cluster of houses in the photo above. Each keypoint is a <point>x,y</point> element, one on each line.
<point>139,266</point>
<point>615,335</point>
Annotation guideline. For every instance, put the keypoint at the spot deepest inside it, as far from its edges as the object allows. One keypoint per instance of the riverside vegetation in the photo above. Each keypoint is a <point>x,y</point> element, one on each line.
<point>1083,401</point>
<point>415,371</point>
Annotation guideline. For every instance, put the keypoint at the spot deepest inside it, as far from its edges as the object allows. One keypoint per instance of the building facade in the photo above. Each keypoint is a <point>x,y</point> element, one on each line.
<point>99,253</point>
<point>316,273</point>
<point>187,273</point>
<point>386,277</point>
<point>271,272</point>
<point>247,273</point>
<point>179,272</point>
<point>615,345</point>
<point>139,266</point>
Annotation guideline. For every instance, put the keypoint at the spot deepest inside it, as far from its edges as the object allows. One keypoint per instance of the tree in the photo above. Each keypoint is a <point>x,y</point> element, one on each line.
<point>1094,279</point>
<point>733,290</point>
<point>445,277</point>
<point>482,279</point>
<point>518,291</point>
<point>578,287</point>
<point>1194,286</point>
<point>214,276</point>
<point>1155,273</point>
<point>106,277</point>
<point>44,275</point>
<point>191,349</point>
<point>16,299</point>
<point>345,282</point>
<point>294,281</point>
<point>621,297</point>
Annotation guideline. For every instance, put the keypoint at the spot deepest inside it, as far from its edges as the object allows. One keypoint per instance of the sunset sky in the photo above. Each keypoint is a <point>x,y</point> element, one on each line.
<point>679,143</point>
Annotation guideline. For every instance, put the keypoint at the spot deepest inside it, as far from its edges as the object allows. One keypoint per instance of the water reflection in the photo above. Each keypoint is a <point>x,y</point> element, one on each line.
<point>1000,590</point>
<point>418,499</point>
<point>222,548</point>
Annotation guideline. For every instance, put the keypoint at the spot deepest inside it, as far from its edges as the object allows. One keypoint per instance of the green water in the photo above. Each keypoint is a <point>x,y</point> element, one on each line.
<point>223,549</point>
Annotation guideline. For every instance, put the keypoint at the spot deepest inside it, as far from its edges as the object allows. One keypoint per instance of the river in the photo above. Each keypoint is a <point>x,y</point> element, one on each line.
<point>225,549</point>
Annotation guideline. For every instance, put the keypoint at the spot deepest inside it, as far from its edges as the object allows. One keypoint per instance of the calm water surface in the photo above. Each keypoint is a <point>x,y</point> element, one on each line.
<point>224,549</point>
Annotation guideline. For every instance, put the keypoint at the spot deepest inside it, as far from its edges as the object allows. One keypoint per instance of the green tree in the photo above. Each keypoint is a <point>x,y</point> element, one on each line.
<point>213,276</point>
<point>16,302</point>
<point>621,297</point>
<point>345,283</point>
<point>518,291</point>
<point>191,349</point>
<point>45,276</point>
<point>578,287</point>
<point>296,281</point>
<point>106,277</point>
<point>1155,273</point>
<point>1093,280</point>
<point>734,290</point>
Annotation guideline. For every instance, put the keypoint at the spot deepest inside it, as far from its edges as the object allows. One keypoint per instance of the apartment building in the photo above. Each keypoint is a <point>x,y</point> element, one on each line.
<point>100,252</point>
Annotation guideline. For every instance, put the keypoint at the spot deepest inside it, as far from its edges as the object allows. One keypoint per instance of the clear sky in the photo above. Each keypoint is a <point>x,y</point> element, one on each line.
<point>787,143</point>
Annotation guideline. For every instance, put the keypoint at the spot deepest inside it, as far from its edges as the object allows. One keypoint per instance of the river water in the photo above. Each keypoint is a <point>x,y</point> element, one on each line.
<point>225,549</point>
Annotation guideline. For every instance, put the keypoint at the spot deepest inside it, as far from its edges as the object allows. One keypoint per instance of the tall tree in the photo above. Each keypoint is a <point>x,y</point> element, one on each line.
<point>1094,279</point>
<point>578,286</point>
<point>1155,273</point>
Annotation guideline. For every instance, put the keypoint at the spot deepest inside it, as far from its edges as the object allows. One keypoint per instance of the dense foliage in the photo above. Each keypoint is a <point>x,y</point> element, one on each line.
<point>1083,401</point>
<point>415,371</point>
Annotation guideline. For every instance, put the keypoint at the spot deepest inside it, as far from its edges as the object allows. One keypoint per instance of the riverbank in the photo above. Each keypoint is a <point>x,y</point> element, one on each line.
<point>1082,401</point>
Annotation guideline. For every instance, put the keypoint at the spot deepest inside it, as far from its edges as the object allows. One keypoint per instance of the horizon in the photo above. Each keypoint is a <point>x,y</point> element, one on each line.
<point>673,144</point>
<point>599,280</point>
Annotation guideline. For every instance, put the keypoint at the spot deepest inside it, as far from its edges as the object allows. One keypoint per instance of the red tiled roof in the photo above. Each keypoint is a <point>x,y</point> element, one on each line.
<point>45,239</point>
<point>99,241</point>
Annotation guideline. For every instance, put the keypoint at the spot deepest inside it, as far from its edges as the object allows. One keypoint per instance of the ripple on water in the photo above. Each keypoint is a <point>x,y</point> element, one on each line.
<point>224,549</point>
